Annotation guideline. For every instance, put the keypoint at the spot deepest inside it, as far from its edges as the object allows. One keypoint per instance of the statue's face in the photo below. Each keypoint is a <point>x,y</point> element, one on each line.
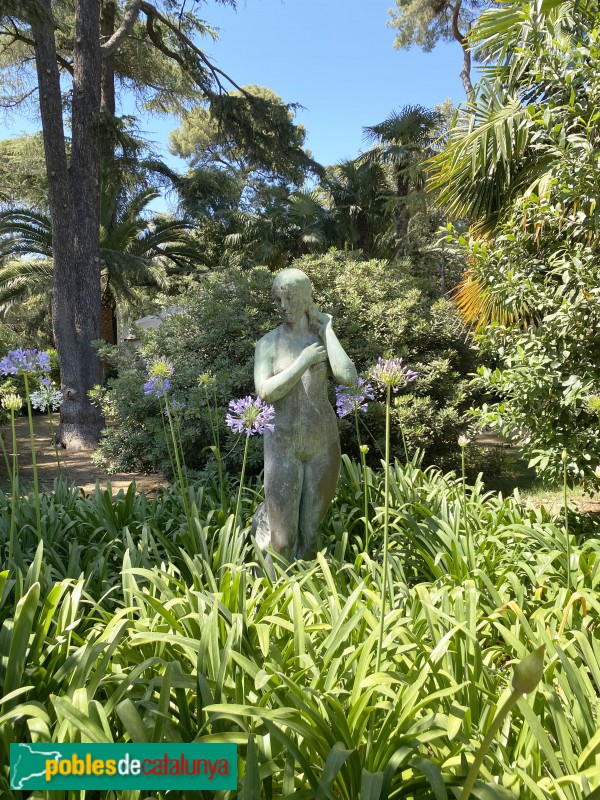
<point>291,302</point>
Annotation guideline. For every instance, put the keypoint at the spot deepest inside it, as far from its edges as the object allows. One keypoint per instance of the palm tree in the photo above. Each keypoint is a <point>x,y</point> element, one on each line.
<point>290,227</point>
<point>531,114</point>
<point>357,194</point>
<point>510,137</point>
<point>402,142</point>
<point>135,250</point>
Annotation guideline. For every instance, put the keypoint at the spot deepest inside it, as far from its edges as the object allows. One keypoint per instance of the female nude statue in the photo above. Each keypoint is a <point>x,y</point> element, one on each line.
<point>302,454</point>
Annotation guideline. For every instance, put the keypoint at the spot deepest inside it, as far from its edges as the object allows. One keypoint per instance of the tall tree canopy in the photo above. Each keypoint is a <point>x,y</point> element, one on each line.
<point>225,177</point>
<point>69,54</point>
<point>427,22</point>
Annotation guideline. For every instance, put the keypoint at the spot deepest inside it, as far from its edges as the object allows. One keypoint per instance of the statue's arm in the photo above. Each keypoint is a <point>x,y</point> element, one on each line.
<point>271,387</point>
<point>342,367</point>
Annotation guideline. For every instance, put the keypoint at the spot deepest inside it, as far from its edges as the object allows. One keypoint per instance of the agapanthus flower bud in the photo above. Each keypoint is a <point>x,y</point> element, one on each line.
<point>206,379</point>
<point>592,403</point>
<point>528,672</point>
<point>160,368</point>
<point>392,373</point>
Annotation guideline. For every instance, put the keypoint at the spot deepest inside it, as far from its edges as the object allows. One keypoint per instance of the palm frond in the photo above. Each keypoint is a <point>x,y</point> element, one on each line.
<point>21,279</point>
<point>480,306</point>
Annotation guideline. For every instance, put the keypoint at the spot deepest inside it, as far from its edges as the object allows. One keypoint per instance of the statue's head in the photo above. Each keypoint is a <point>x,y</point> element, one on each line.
<point>292,292</point>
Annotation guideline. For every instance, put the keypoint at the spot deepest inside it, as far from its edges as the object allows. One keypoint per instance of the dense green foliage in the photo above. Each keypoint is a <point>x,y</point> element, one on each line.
<point>377,308</point>
<point>524,160</point>
<point>122,625</point>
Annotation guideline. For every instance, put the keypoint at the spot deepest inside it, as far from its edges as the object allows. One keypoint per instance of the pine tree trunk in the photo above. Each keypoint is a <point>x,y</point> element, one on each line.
<point>107,28</point>
<point>74,208</point>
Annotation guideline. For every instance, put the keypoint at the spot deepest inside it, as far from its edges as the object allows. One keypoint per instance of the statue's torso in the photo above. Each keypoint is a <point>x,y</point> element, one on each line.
<point>304,421</point>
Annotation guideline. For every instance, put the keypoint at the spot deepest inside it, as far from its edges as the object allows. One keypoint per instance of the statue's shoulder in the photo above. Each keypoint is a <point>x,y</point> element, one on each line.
<point>267,341</point>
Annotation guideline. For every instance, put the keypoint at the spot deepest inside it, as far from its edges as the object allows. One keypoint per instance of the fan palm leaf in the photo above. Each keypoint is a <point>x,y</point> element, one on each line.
<point>480,306</point>
<point>509,142</point>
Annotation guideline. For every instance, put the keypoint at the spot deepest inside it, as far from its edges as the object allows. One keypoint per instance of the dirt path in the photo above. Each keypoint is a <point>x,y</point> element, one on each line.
<point>76,467</point>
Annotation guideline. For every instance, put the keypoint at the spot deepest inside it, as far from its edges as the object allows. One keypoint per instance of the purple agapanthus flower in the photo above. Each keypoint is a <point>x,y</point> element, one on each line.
<point>25,362</point>
<point>350,399</point>
<point>250,415</point>
<point>392,373</point>
<point>156,386</point>
<point>160,370</point>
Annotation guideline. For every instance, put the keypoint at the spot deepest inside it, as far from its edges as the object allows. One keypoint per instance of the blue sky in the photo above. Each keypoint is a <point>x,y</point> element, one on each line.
<point>334,57</point>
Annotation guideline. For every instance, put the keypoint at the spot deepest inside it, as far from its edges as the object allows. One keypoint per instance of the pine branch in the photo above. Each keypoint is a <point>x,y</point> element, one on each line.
<point>16,101</point>
<point>129,18</point>
<point>18,36</point>
<point>152,14</point>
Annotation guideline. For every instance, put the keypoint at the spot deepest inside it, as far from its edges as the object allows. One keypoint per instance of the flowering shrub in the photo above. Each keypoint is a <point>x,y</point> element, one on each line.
<point>377,309</point>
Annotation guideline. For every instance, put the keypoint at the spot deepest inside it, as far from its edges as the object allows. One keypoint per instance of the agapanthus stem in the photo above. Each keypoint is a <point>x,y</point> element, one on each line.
<point>218,449</point>
<point>180,440</point>
<point>363,460</point>
<point>33,458</point>
<point>182,485</point>
<point>53,438</point>
<point>239,497</point>
<point>214,428</point>
<point>568,543</point>
<point>464,488</point>
<point>485,745</point>
<point>386,526</point>
<point>15,487</point>
<point>171,462</point>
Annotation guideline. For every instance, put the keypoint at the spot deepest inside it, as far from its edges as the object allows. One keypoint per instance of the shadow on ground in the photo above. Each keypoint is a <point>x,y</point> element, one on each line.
<point>75,466</point>
<point>517,475</point>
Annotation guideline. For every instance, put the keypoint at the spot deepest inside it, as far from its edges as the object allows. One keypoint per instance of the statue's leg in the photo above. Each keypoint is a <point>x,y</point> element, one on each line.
<point>283,487</point>
<point>320,482</point>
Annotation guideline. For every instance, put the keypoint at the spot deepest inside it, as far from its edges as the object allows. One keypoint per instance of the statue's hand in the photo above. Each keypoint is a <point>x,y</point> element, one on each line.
<point>314,354</point>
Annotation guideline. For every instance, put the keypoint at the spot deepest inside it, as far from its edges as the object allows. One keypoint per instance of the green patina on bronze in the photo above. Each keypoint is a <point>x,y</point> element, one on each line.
<point>302,454</point>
